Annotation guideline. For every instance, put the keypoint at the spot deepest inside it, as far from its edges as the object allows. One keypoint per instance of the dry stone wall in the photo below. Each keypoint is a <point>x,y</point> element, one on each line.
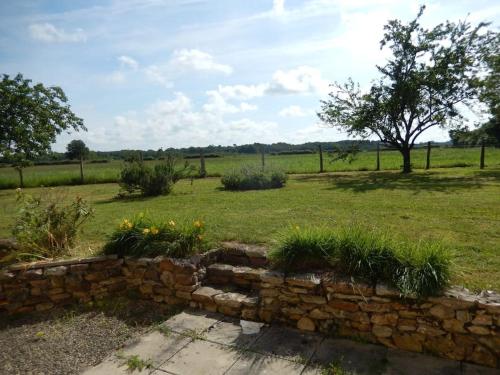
<point>456,325</point>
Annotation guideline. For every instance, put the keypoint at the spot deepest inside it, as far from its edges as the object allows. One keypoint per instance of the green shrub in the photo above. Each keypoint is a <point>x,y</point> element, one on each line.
<point>253,178</point>
<point>419,269</point>
<point>141,237</point>
<point>157,180</point>
<point>47,226</point>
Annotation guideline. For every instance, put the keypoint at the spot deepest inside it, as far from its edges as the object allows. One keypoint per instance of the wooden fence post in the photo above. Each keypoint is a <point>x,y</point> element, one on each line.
<point>262,157</point>
<point>377,168</point>
<point>203,171</point>
<point>321,170</point>
<point>428,161</point>
<point>481,160</point>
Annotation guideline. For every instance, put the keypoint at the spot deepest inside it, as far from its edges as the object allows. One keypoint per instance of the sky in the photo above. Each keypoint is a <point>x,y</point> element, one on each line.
<point>145,74</point>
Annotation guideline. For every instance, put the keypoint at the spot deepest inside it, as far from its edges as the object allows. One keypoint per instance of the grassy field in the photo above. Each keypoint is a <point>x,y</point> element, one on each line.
<point>458,206</point>
<point>390,160</point>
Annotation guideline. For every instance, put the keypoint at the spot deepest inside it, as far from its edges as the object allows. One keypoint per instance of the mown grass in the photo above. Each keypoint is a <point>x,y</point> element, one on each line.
<point>365,161</point>
<point>458,206</point>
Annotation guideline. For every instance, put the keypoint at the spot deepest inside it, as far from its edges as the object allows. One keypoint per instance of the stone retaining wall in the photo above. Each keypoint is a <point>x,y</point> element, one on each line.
<point>457,325</point>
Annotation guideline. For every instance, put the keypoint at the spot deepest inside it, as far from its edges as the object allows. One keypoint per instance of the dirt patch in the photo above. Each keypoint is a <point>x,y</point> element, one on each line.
<point>66,341</point>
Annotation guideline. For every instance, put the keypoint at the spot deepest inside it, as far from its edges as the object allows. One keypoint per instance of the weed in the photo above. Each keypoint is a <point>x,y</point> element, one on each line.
<point>134,362</point>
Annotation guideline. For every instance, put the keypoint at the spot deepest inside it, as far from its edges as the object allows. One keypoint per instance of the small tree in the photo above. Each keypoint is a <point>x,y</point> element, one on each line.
<point>430,73</point>
<point>31,116</point>
<point>76,149</point>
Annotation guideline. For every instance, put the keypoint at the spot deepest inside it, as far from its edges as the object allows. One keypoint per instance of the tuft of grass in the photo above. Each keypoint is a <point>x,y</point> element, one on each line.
<point>419,269</point>
<point>134,362</point>
<point>142,237</point>
<point>254,178</point>
<point>303,247</point>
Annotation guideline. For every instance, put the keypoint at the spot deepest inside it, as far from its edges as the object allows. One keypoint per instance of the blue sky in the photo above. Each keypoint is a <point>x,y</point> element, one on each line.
<point>172,73</point>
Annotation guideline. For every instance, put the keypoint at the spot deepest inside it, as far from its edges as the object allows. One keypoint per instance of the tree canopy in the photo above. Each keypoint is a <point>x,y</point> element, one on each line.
<point>77,149</point>
<point>31,116</point>
<point>430,74</point>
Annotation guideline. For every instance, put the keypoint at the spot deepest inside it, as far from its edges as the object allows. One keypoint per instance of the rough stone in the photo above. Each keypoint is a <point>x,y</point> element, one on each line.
<point>410,342</point>
<point>272,277</point>
<point>479,330</point>
<point>303,280</point>
<point>482,320</point>
<point>453,325</point>
<point>306,324</point>
<point>231,300</point>
<point>318,314</point>
<point>429,330</point>
<point>317,300</point>
<point>343,305</point>
<point>381,331</point>
<point>205,294</point>
<point>384,290</point>
<point>389,319</point>
<point>442,312</point>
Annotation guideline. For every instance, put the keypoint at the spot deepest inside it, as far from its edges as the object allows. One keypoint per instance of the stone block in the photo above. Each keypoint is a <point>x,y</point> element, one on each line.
<point>306,324</point>
<point>205,294</point>
<point>381,331</point>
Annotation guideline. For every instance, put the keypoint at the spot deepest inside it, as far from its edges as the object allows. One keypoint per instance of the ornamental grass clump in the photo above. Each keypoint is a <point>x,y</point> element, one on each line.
<point>254,178</point>
<point>415,269</point>
<point>143,237</point>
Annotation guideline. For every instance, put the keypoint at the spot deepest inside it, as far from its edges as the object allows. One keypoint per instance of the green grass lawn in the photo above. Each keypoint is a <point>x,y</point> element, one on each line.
<point>390,160</point>
<point>459,206</point>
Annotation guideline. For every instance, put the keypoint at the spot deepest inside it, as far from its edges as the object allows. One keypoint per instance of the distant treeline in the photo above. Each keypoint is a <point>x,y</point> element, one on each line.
<point>212,151</point>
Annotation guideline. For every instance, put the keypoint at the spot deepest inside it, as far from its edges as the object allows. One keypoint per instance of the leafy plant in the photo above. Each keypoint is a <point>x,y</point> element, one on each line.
<point>159,179</point>
<point>47,226</point>
<point>134,362</point>
<point>250,178</point>
<point>414,269</point>
<point>141,236</point>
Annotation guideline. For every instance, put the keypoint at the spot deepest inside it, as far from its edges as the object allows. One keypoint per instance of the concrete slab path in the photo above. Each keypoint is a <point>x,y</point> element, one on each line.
<point>199,343</point>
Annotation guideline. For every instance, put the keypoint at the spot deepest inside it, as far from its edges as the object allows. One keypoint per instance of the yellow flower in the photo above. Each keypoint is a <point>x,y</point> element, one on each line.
<point>297,227</point>
<point>129,225</point>
<point>198,224</point>
<point>125,224</point>
<point>154,230</point>
<point>200,237</point>
<point>171,223</point>
<point>145,231</point>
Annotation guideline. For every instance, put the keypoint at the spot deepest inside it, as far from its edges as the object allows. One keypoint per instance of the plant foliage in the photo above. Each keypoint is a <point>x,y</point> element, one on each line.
<point>142,237</point>
<point>47,226</point>
<point>254,178</point>
<point>155,180</point>
<point>414,269</point>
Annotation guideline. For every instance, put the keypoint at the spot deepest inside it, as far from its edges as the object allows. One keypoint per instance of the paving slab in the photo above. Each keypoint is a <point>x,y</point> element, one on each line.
<point>229,332</point>
<point>154,348</point>
<point>287,343</point>
<point>407,363</point>
<point>195,321</point>
<point>351,356</point>
<point>254,363</point>
<point>201,357</point>
<point>470,369</point>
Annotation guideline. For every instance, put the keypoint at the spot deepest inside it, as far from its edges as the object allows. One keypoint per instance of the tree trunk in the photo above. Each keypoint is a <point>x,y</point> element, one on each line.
<point>21,179</point>
<point>81,170</point>
<point>428,161</point>
<point>481,160</point>
<point>203,171</point>
<point>377,167</point>
<point>405,151</point>
<point>321,170</point>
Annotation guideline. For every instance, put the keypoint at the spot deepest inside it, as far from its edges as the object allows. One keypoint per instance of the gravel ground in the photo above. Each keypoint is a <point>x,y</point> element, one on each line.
<point>66,341</point>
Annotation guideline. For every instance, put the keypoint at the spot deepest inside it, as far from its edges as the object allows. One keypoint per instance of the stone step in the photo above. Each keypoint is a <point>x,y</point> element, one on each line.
<point>240,254</point>
<point>229,301</point>
<point>242,276</point>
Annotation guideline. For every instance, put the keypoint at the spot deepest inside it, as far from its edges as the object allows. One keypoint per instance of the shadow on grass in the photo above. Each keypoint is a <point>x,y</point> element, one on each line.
<point>416,182</point>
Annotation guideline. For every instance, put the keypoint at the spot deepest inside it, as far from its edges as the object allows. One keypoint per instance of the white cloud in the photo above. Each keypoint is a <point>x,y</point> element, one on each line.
<point>303,79</point>
<point>128,62</point>
<point>295,111</point>
<point>158,75</point>
<point>48,33</point>
<point>194,59</point>
<point>175,123</point>
<point>242,92</point>
<point>279,7</point>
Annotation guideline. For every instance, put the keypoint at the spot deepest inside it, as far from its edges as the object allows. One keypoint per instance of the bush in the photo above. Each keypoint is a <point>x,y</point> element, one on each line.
<point>414,269</point>
<point>47,227</point>
<point>141,237</point>
<point>250,178</point>
<point>151,181</point>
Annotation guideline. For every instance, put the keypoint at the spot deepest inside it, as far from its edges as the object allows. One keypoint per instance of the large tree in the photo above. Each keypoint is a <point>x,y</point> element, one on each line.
<point>430,74</point>
<point>31,116</point>
<point>77,149</point>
